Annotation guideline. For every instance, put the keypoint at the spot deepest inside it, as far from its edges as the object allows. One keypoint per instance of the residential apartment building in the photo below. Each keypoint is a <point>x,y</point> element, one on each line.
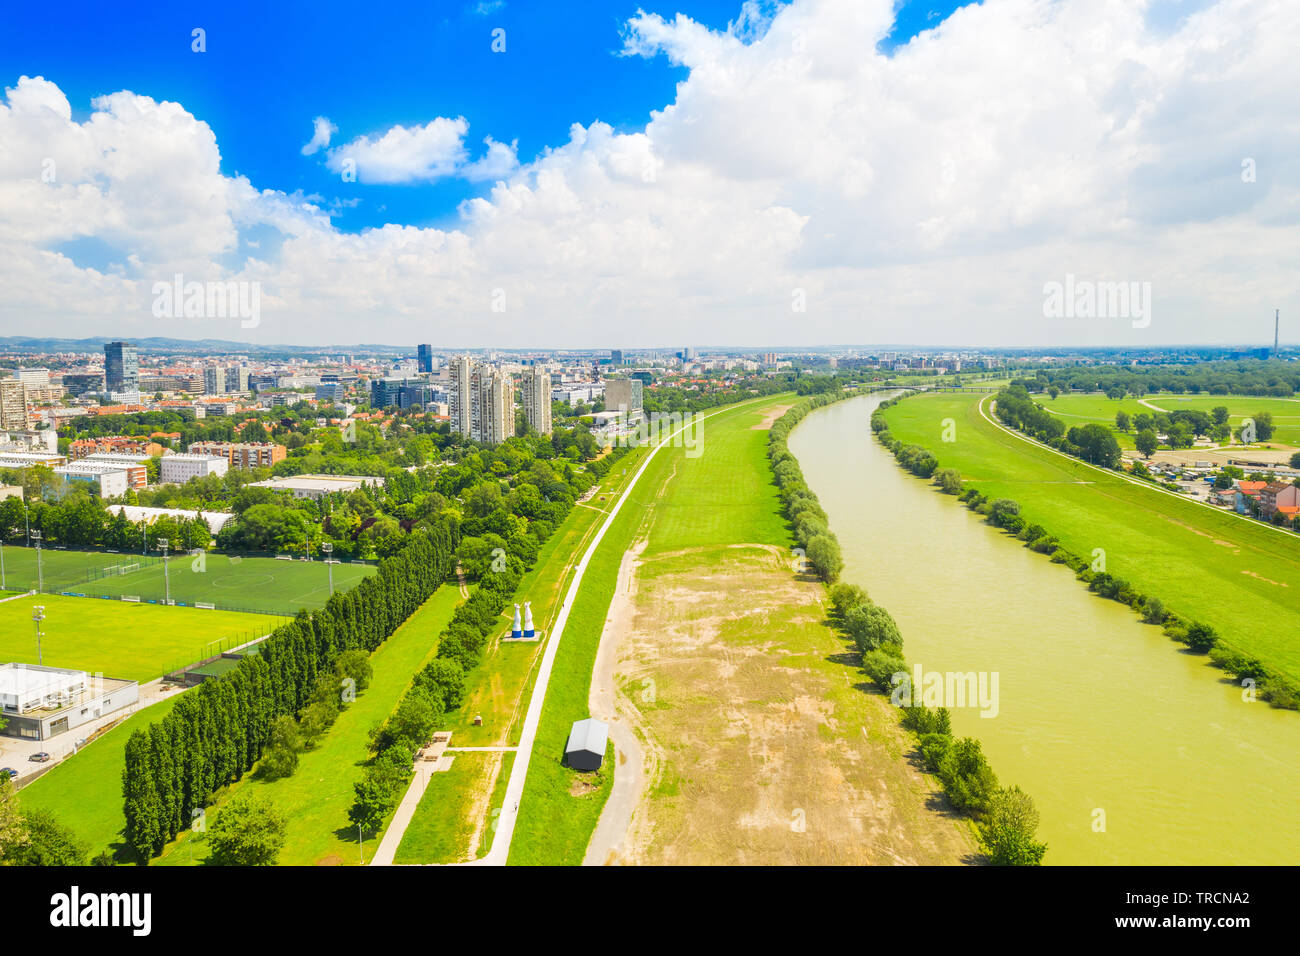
<point>108,480</point>
<point>13,404</point>
<point>246,455</point>
<point>1278,496</point>
<point>624,394</point>
<point>113,445</point>
<point>537,400</point>
<point>481,401</point>
<point>137,472</point>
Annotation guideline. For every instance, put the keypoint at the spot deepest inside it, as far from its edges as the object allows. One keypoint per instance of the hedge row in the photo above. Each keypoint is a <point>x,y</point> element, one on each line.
<point>218,731</point>
<point>1006,818</point>
<point>811,527</point>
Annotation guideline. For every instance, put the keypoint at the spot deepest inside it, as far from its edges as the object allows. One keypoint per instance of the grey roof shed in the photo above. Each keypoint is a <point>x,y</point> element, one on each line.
<point>586,747</point>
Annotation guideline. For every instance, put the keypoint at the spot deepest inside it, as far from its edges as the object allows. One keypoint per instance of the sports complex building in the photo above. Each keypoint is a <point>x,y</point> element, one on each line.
<point>42,702</point>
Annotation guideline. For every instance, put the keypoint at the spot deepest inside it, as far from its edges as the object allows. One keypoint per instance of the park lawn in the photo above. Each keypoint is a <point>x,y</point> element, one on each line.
<point>84,792</point>
<point>498,689</point>
<point>121,639</point>
<point>317,797</point>
<point>1238,575</point>
<point>443,824</point>
<point>264,585</point>
<point>560,807</point>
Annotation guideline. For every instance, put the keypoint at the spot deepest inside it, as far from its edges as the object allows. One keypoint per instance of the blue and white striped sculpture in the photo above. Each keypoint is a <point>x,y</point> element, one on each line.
<point>517,631</point>
<point>528,620</point>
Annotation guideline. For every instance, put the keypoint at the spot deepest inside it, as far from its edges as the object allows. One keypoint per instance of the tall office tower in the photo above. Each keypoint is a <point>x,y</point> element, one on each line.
<point>496,405</point>
<point>424,358</point>
<point>214,381</point>
<point>624,394</point>
<point>537,400</point>
<point>615,356</point>
<point>121,367</point>
<point>13,404</point>
<point>236,378</point>
<point>460,401</point>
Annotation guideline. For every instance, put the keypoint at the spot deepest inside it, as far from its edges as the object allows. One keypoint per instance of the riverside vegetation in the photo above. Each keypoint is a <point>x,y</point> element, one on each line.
<point>1005,817</point>
<point>1016,409</point>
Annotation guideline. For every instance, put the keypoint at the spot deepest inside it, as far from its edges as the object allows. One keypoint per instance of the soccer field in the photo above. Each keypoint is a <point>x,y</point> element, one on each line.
<point>266,585</point>
<point>119,638</point>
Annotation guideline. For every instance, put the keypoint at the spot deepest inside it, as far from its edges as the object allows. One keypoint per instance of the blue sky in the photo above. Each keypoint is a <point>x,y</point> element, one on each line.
<point>269,69</point>
<point>814,175</point>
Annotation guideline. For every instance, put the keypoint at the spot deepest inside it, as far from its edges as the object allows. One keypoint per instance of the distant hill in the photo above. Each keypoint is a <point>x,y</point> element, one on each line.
<point>26,343</point>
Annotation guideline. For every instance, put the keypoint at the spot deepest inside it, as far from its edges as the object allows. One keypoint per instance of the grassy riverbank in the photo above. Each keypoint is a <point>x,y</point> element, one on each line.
<point>1239,576</point>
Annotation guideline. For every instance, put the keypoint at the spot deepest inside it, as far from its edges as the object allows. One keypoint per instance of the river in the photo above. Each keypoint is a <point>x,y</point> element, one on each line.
<point>1134,751</point>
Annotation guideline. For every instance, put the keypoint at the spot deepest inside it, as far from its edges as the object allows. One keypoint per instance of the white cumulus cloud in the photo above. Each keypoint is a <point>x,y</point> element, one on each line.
<point>920,197</point>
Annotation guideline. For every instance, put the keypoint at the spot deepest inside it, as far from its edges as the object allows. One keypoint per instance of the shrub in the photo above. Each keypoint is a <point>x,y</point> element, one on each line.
<point>823,554</point>
<point>882,664</point>
<point>1009,830</point>
<point>870,626</point>
<point>934,747</point>
<point>967,778</point>
<point>1201,637</point>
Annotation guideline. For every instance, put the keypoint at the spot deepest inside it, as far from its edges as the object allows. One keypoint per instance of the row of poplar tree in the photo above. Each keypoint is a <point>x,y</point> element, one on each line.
<point>217,732</point>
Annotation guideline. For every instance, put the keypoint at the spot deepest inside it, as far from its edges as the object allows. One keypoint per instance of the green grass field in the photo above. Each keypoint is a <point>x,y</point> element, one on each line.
<point>1096,407</point>
<point>317,797</point>
<point>84,792</point>
<point>266,585</point>
<point>121,639</point>
<point>1240,576</point>
<point>443,824</point>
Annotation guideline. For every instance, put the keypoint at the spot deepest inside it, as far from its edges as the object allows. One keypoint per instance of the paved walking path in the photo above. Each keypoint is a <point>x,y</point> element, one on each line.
<point>405,811</point>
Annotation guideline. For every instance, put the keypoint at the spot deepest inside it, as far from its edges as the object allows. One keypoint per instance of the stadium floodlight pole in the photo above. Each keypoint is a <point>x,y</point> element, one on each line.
<point>38,615</point>
<point>40,570</point>
<point>167,581</point>
<point>327,547</point>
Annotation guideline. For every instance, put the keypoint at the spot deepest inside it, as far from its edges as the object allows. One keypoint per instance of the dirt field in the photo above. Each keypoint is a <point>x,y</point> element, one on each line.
<point>768,421</point>
<point>760,749</point>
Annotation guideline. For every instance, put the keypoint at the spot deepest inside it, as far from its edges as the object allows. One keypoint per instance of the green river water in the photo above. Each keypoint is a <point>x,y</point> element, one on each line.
<point>1133,750</point>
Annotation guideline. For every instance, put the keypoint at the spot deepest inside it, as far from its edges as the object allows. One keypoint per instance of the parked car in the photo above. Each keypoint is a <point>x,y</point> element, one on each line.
<point>41,757</point>
<point>10,771</point>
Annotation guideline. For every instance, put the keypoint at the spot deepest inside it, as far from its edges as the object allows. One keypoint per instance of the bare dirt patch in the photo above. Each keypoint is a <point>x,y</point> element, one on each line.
<point>763,750</point>
<point>770,420</point>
